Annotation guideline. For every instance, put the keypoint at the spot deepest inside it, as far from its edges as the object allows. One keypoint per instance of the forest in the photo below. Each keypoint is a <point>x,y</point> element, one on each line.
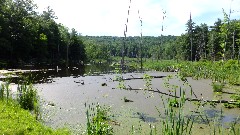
<point>27,36</point>
<point>30,37</point>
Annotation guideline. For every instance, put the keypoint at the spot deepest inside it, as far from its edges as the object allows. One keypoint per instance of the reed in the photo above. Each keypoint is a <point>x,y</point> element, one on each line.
<point>97,120</point>
<point>5,90</point>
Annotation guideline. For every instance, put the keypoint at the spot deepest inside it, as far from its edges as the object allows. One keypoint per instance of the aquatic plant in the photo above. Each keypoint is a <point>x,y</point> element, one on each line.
<point>173,102</point>
<point>4,91</point>
<point>163,65</point>
<point>175,122</point>
<point>224,72</point>
<point>148,81</point>
<point>97,120</point>
<point>217,87</point>
<point>27,96</point>
<point>236,98</point>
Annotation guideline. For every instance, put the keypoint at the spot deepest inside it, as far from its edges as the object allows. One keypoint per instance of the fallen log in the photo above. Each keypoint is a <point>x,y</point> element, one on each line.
<point>188,99</point>
<point>136,78</point>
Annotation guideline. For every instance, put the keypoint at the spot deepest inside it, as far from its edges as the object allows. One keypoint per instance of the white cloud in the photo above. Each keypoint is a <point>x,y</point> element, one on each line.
<point>107,17</point>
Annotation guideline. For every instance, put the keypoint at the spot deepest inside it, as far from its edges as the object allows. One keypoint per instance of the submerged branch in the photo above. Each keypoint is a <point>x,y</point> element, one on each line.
<point>188,99</point>
<point>135,78</point>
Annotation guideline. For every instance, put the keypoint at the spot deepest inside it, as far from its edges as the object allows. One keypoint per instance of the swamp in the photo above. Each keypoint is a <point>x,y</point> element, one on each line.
<point>167,73</point>
<point>136,102</point>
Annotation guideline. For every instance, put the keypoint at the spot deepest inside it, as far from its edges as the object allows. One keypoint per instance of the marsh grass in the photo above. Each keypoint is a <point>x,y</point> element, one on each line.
<point>5,91</point>
<point>220,71</point>
<point>148,81</point>
<point>217,87</point>
<point>27,96</point>
<point>163,65</point>
<point>98,120</point>
<point>236,98</point>
<point>175,122</point>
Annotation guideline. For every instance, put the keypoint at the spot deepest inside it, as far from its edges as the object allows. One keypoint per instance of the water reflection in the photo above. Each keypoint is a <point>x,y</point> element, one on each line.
<point>47,73</point>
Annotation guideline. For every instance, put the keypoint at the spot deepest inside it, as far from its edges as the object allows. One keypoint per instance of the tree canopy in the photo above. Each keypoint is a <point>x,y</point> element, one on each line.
<point>27,36</point>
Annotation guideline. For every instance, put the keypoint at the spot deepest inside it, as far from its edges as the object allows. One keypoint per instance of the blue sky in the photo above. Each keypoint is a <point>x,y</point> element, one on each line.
<point>108,17</point>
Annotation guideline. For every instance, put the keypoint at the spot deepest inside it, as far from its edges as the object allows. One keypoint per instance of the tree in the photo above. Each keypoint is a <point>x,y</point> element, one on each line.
<point>215,40</point>
<point>190,46</point>
<point>224,33</point>
<point>76,48</point>
<point>201,39</point>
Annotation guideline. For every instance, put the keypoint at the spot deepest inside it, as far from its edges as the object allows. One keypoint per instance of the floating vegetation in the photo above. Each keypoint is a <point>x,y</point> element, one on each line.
<point>217,87</point>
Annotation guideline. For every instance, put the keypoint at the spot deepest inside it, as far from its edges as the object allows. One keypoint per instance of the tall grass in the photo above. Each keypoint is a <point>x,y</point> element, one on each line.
<point>4,91</point>
<point>97,120</point>
<point>27,96</point>
<point>220,71</point>
<point>175,122</point>
<point>15,117</point>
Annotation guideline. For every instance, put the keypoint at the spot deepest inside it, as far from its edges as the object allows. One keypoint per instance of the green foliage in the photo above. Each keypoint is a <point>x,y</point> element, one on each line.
<point>173,102</point>
<point>223,72</point>
<point>175,122</point>
<point>27,96</point>
<point>148,81</point>
<point>97,120</point>
<point>15,120</point>
<point>29,36</point>
<point>121,85</point>
<point>232,105</point>
<point>5,91</point>
<point>235,104</point>
<point>217,87</point>
<point>106,46</point>
<point>43,37</point>
<point>164,65</point>
<point>236,97</point>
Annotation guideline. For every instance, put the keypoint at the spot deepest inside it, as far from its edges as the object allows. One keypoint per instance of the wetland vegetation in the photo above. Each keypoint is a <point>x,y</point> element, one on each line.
<point>188,84</point>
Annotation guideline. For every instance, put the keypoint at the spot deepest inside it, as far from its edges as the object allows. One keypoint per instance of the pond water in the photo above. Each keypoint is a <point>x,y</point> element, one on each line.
<point>64,94</point>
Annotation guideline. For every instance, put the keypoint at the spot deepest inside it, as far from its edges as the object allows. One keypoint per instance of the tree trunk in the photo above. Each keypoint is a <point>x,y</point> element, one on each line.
<point>233,46</point>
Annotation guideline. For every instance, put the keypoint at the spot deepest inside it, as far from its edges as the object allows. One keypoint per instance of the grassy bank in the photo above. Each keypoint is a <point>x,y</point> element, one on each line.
<point>20,114</point>
<point>15,120</point>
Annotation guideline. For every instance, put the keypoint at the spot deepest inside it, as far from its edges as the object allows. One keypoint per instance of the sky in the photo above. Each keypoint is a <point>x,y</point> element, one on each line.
<point>109,17</point>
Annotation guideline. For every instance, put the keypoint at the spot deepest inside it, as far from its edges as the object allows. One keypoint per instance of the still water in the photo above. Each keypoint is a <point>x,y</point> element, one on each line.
<point>65,92</point>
